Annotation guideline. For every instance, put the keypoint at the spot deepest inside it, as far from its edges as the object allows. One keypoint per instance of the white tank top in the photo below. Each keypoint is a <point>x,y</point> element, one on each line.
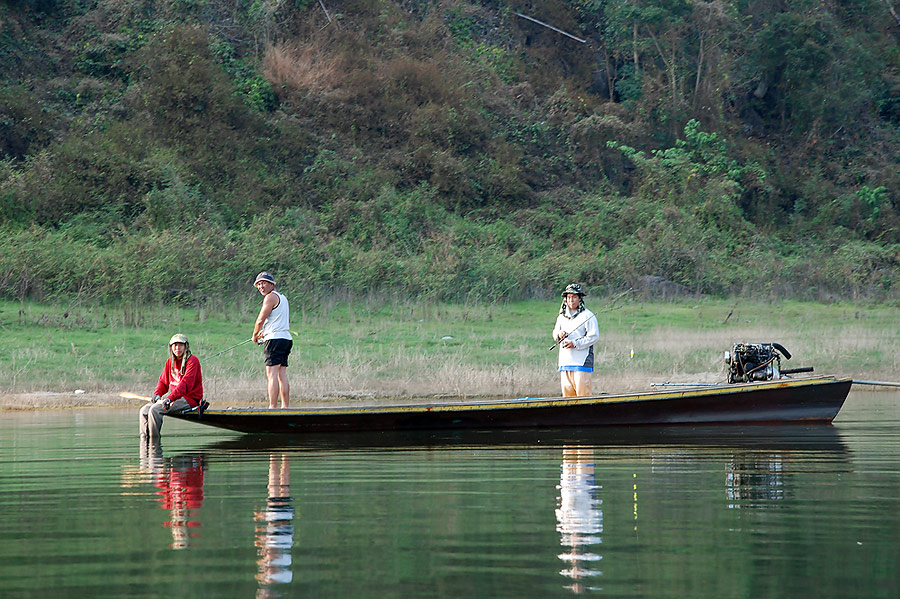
<point>276,325</point>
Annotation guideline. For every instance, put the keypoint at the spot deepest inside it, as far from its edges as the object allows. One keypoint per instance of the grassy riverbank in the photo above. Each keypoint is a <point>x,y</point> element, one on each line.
<point>366,350</point>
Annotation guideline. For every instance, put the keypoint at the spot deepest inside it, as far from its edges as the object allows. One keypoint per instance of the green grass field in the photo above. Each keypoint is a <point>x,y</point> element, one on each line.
<point>366,350</point>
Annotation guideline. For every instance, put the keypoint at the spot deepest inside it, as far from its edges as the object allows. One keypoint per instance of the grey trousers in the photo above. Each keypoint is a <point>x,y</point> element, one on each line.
<point>151,416</point>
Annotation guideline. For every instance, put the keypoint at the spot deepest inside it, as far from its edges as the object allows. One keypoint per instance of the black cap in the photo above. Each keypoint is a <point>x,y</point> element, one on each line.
<point>264,276</point>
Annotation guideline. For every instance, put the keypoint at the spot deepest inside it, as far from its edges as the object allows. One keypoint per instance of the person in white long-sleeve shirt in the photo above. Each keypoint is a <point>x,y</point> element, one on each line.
<point>576,332</point>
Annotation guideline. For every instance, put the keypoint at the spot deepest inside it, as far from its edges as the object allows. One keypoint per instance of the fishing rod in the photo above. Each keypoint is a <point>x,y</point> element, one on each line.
<point>552,347</point>
<point>230,348</point>
<point>668,384</point>
<point>199,408</point>
<point>294,333</point>
<point>130,395</point>
<point>565,334</point>
<point>611,306</point>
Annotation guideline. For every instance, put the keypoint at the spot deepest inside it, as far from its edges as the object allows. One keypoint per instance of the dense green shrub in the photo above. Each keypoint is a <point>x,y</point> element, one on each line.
<point>169,151</point>
<point>23,125</point>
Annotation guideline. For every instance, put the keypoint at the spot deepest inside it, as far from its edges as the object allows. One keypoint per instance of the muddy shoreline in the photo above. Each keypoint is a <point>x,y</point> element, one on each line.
<point>51,400</point>
<point>55,400</point>
<point>58,400</point>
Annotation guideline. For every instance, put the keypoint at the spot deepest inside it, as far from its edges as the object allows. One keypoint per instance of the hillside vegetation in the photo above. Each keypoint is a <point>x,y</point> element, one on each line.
<point>449,149</point>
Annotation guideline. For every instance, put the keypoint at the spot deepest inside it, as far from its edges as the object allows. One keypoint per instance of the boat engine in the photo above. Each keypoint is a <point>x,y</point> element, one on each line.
<point>755,362</point>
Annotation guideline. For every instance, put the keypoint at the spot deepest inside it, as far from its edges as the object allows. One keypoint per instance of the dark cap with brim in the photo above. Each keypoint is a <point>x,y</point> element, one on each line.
<point>264,276</point>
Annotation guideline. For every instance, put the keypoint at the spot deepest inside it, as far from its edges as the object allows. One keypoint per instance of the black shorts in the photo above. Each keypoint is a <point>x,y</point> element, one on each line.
<point>277,351</point>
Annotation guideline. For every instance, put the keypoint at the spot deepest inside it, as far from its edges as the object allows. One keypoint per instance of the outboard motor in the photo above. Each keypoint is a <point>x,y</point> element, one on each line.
<point>755,362</point>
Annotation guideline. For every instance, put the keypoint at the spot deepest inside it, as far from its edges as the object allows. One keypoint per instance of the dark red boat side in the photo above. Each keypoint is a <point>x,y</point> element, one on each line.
<point>813,399</point>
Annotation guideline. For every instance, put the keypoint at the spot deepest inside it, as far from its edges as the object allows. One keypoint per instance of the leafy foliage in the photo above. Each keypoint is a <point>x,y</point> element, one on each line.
<point>448,150</point>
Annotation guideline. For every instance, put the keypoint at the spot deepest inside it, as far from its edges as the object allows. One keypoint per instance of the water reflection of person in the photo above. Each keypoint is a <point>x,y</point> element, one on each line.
<point>150,462</point>
<point>275,531</point>
<point>151,459</point>
<point>180,484</point>
<point>579,515</point>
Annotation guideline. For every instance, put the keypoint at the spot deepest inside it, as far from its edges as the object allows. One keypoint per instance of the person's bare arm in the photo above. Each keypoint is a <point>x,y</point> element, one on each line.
<point>269,303</point>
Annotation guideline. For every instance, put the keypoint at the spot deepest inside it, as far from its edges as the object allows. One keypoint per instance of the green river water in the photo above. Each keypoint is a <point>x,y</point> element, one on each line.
<point>86,510</point>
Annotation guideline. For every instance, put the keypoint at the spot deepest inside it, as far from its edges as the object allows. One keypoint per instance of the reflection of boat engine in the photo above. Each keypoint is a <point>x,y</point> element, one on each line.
<point>756,362</point>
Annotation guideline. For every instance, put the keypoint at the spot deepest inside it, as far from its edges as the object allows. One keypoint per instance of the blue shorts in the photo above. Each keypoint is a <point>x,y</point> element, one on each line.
<point>576,368</point>
<point>277,351</point>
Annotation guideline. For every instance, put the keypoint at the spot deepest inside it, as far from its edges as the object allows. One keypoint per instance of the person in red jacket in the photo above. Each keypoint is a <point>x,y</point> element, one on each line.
<point>180,387</point>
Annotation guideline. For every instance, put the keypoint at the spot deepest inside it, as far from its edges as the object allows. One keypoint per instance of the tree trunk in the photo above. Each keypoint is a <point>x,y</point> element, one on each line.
<point>634,33</point>
<point>609,74</point>
<point>699,70</point>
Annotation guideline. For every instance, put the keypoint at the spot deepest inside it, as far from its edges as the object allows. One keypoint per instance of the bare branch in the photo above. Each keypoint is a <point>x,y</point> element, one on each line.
<point>322,4</point>
<point>893,12</point>
<point>577,39</point>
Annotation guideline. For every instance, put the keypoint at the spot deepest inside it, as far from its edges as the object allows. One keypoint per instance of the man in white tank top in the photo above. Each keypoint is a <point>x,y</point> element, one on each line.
<point>273,328</point>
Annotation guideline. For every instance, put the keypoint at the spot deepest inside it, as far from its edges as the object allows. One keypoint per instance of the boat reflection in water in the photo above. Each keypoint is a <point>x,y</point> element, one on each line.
<point>595,524</point>
<point>179,481</point>
<point>755,480</point>
<point>275,528</point>
<point>579,516</point>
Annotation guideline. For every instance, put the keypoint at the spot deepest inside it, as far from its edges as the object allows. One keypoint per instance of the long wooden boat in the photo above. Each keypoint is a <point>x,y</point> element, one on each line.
<point>811,399</point>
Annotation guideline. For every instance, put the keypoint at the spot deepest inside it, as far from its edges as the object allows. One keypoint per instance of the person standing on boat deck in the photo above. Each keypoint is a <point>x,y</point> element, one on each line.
<point>273,328</point>
<point>180,387</point>
<point>576,332</point>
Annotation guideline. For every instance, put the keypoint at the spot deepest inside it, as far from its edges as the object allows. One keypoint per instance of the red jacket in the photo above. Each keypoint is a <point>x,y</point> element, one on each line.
<point>188,385</point>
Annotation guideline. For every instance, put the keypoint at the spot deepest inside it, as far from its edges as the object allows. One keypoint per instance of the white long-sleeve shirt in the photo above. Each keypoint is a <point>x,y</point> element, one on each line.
<point>584,336</point>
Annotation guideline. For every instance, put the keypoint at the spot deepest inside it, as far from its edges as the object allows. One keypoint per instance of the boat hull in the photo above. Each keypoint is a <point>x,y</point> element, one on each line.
<point>783,401</point>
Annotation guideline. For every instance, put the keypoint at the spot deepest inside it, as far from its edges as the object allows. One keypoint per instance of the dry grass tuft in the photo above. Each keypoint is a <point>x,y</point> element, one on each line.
<point>298,66</point>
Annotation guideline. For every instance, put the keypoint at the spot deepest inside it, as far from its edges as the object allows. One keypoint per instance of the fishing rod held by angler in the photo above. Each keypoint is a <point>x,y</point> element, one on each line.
<point>552,347</point>
<point>566,334</point>
<point>232,347</point>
